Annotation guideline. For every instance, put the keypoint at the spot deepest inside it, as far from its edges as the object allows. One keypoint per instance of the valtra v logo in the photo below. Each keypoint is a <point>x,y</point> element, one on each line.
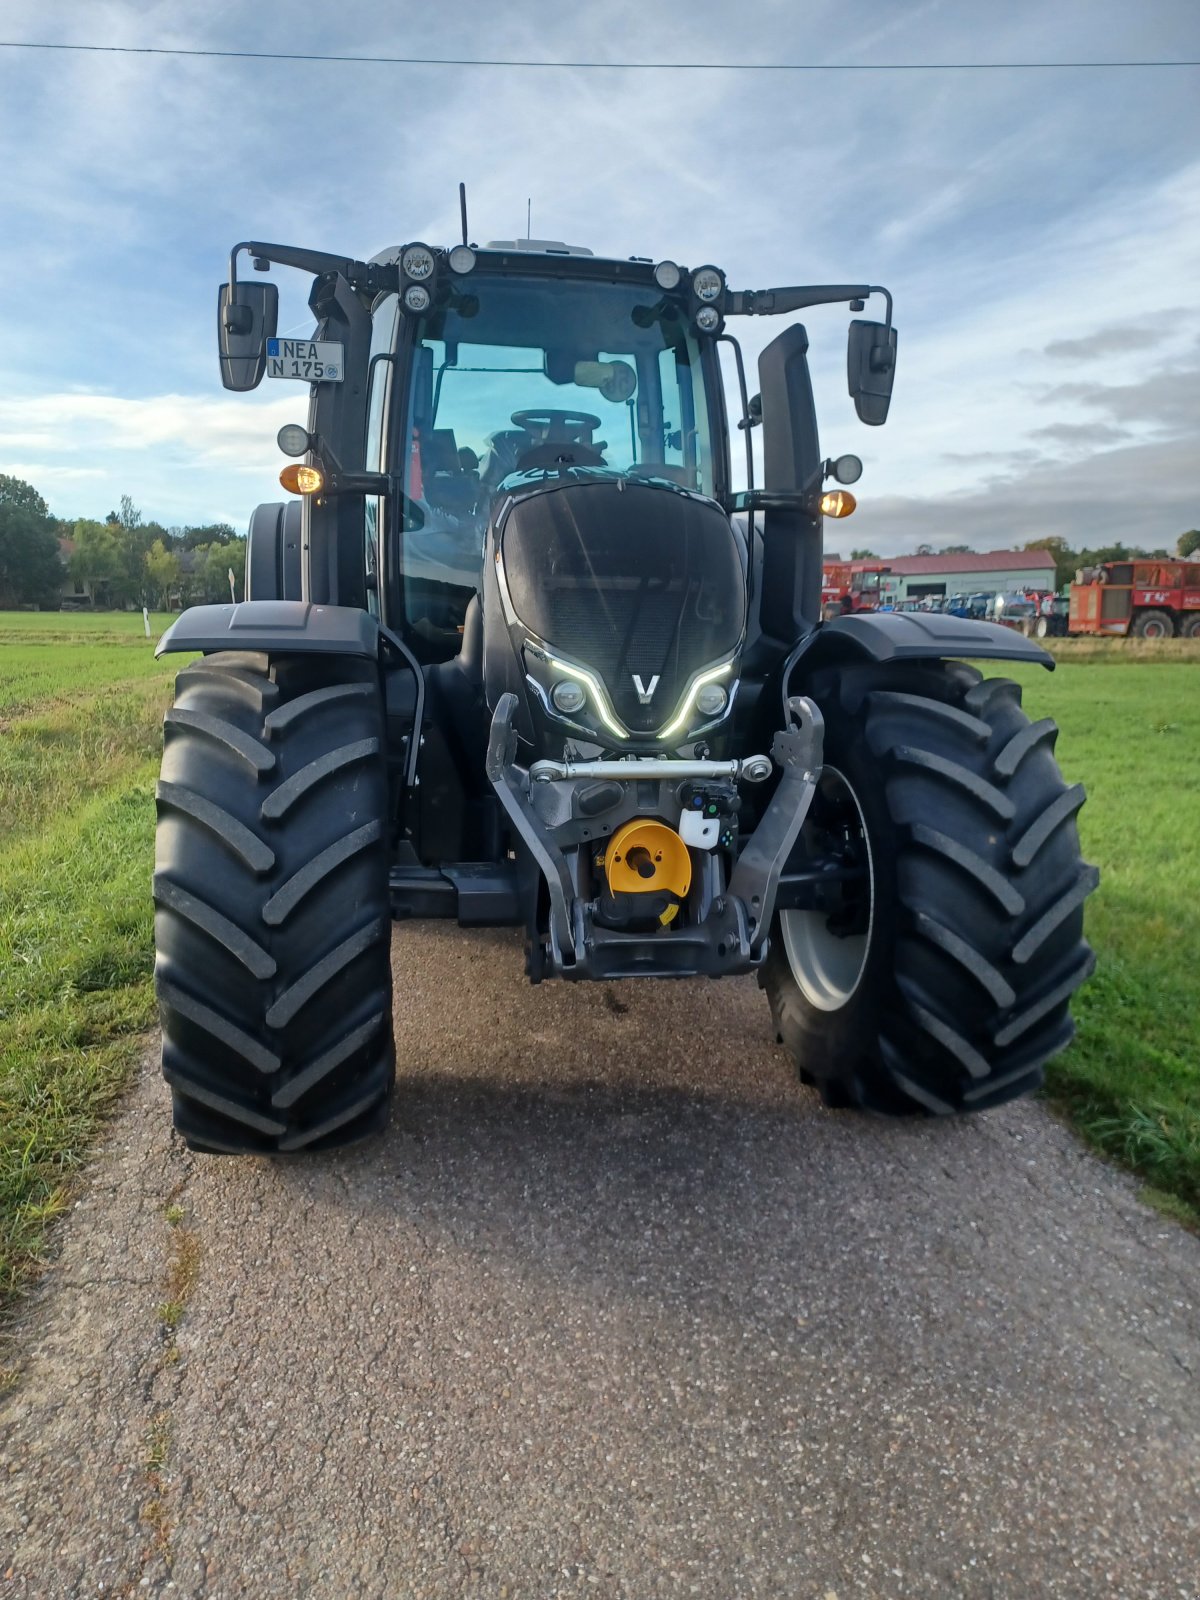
<point>645,692</point>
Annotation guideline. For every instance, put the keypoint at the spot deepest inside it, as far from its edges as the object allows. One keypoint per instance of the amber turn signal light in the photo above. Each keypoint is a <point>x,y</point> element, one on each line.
<point>302,480</point>
<point>837,503</point>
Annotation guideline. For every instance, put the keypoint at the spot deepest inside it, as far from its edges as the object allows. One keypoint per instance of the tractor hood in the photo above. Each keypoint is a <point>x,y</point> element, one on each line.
<point>633,587</point>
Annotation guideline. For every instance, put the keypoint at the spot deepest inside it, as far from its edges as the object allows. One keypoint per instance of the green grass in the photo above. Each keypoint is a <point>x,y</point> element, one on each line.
<point>79,749</point>
<point>1131,1081</point>
<point>65,658</point>
<point>81,703</point>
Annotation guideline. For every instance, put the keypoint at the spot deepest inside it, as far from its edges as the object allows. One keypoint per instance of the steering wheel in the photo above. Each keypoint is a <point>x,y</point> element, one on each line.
<point>558,427</point>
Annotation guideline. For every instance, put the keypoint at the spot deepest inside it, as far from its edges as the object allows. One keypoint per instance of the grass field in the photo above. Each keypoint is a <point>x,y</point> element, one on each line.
<point>81,703</point>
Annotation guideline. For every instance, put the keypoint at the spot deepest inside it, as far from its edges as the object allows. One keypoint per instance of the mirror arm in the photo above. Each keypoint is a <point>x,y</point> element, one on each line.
<point>373,277</point>
<point>774,302</point>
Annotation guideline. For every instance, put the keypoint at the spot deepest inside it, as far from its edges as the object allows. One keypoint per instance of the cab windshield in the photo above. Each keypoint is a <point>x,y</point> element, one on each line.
<point>517,376</point>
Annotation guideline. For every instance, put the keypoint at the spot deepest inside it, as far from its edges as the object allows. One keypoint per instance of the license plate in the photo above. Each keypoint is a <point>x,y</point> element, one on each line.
<point>310,360</point>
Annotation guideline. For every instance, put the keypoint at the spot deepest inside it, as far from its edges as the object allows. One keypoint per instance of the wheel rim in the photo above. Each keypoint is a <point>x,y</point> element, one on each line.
<point>827,966</point>
<point>1154,628</point>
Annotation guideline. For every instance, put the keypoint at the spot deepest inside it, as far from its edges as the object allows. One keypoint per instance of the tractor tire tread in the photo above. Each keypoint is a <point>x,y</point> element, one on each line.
<point>976,871</point>
<point>273,967</point>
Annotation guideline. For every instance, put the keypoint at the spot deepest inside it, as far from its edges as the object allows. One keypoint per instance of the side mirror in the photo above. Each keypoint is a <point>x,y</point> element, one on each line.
<point>247,316</point>
<point>871,369</point>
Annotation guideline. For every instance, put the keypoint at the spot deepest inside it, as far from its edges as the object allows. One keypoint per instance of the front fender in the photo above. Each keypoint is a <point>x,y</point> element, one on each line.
<point>280,627</point>
<point>911,636</point>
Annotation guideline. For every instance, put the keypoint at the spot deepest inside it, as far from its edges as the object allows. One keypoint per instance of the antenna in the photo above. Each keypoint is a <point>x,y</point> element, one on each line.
<point>528,215</point>
<point>462,206</point>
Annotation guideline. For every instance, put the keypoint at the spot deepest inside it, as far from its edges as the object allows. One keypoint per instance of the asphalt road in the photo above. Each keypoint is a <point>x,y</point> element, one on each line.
<point>614,1309</point>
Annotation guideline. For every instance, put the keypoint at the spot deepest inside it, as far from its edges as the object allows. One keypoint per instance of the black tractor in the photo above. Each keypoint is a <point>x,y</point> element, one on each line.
<point>517,653</point>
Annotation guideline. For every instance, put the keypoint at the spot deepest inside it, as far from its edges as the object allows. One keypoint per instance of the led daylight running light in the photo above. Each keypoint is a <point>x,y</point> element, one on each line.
<point>689,705</point>
<point>599,699</point>
<point>416,297</point>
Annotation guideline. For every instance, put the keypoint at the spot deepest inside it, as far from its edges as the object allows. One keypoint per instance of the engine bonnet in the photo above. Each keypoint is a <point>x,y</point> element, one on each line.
<point>642,583</point>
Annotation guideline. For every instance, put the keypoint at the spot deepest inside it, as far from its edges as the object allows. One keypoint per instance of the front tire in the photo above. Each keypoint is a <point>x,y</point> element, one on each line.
<point>272,922</point>
<point>942,983</point>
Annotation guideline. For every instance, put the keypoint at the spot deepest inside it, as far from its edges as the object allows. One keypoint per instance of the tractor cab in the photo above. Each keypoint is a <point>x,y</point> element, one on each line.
<point>510,377</point>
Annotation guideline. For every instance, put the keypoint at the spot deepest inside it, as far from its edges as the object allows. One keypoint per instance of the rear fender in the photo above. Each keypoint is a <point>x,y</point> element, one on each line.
<point>273,553</point>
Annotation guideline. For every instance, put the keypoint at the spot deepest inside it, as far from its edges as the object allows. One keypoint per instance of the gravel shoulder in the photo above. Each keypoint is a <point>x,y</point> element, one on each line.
<point>614,1308</point>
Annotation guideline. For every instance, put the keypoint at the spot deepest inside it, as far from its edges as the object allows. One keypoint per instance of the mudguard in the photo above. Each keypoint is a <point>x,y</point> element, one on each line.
<point>911,636</point>
<point>281,627</point>
<point>273,553</point>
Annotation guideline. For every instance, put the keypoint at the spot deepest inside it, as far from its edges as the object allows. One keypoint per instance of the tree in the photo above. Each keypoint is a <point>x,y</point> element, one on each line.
<point>1066,560</point>
<point>96,561</point>
<point>864,555</point>
<point>1188,543</point>
<point>30,568</point>
<point>924,550</point>
<point>163,575</point>
<point>955,550</point>
<point>215,533</point>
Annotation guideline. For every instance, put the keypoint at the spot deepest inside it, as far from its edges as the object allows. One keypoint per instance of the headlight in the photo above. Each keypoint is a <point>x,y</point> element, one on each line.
<point>707,284</point>
<point>708,319</point>
<point>568,696</point>
<point>416,297</point>
<point>712,699</point>
<point>417,262</point>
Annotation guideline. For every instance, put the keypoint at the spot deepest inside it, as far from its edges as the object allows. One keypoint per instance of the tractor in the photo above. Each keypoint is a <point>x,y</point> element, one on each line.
<point>516,652</point>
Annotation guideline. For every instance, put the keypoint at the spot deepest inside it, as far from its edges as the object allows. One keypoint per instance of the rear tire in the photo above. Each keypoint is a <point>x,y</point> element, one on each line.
<point>1191,628</point>
<point>1153,625</point>
<point>952,986</point>
<point>272,922</point>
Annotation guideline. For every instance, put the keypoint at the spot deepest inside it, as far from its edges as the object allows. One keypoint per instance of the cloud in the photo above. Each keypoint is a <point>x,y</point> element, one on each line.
<point>1024,221</point>
<point>159,449</point>
<point>1144,494</point>
<point>1169,399</point>
<point>1105,342</point>
<point>1082,435</point>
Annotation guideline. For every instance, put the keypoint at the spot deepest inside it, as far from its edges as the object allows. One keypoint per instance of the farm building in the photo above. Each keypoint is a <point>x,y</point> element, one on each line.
<point>996,572</point>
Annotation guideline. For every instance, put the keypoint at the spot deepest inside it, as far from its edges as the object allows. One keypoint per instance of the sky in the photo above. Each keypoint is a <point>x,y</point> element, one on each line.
<point>1040,230</point>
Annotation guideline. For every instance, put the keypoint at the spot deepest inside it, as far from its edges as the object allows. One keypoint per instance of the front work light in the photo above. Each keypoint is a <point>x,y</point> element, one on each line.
<point>292,439</point>
<point>707,284</point>
<point>461,258</point>
<point>302,480</point>
<point>837,503</point>
<point>667,275</point>
<point>417,262</point>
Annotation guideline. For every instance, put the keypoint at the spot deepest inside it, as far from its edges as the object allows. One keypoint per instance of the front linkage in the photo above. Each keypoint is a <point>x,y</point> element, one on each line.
<point>726,929</point>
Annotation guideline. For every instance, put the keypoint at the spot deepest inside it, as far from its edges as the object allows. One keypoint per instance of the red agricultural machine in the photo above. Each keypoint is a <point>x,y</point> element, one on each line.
<point>1152,599</point>
<point>850,586</point>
